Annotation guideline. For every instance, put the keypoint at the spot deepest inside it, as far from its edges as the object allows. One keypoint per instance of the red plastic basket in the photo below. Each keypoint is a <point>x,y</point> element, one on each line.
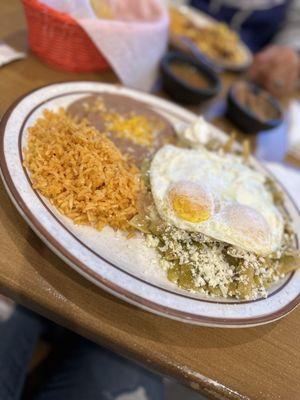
<point>57,39</point>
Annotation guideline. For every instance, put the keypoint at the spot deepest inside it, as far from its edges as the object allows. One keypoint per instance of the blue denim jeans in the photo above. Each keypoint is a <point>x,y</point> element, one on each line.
<point>76,369</point>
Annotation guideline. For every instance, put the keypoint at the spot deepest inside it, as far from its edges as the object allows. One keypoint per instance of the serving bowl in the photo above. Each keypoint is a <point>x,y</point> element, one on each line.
<point>180,89</point>
<point>247,119</point>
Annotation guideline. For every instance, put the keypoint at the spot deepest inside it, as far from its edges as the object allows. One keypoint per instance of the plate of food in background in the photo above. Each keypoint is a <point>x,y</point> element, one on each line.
<point>152,204</point>
<point>219,44</point>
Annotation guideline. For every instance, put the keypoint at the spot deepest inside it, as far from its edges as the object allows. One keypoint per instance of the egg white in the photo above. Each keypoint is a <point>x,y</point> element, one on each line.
<point>232,186</point>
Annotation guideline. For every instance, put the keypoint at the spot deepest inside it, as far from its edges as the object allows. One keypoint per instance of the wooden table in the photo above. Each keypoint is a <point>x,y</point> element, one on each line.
<point>257,363</point>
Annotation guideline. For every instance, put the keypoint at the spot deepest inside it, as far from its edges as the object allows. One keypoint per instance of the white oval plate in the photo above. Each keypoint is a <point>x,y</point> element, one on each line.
<point>123,267</point>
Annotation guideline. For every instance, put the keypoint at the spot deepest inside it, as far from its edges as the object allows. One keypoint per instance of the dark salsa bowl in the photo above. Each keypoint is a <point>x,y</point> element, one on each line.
<point>187,80</point>
<point>253,109</point>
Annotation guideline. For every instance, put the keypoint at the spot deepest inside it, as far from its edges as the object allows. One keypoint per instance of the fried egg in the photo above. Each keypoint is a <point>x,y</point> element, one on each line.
<point>217,195</point>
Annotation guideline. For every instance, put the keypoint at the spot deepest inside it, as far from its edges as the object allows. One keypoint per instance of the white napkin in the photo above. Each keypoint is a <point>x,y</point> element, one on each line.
<point>289,178</point>
<point>7,307</point>
<point>133,42</point>
<point>293,129</point>
<point>8,54</point>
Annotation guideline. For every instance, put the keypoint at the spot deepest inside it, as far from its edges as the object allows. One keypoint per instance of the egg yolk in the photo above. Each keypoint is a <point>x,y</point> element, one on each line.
<point>249,224</point>
<point>191,202</point>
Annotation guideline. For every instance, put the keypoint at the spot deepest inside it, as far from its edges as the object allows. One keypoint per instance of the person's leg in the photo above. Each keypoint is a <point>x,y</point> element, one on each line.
<point>82,370</point>
<point>18,337</point>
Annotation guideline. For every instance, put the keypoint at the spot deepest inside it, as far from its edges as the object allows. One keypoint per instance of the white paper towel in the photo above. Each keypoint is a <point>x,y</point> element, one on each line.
<point>133,42</point>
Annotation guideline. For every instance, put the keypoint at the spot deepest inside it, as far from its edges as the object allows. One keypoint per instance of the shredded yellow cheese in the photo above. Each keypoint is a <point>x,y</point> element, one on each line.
<point>136,127</point>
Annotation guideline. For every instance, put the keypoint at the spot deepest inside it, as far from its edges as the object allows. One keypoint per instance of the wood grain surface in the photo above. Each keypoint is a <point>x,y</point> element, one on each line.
<point>257,363</point>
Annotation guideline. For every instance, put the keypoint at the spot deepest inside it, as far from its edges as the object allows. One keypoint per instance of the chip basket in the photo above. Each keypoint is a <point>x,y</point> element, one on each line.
<point>57,39</point>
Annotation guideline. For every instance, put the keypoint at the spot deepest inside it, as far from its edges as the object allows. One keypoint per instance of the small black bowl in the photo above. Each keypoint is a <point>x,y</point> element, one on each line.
<point>182,91</point>
<point>244,118</point>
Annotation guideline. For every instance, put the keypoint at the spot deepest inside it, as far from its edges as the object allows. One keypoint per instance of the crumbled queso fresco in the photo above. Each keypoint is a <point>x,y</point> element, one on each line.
<point>201,264</point>
<point>198,263</point>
